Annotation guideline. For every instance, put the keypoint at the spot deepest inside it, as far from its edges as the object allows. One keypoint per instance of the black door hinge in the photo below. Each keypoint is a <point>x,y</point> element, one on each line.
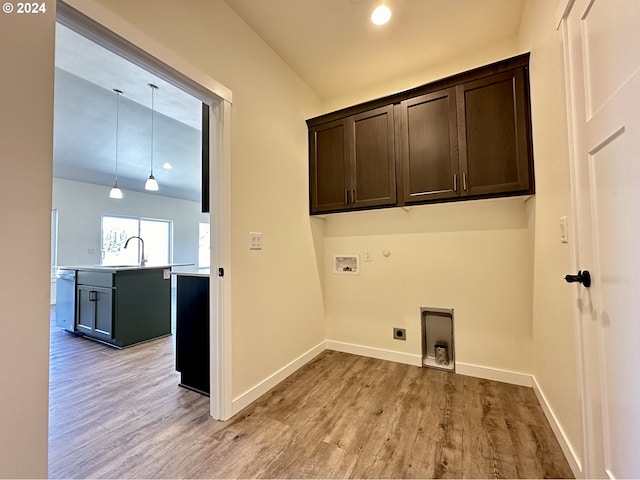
<point>221,272</point>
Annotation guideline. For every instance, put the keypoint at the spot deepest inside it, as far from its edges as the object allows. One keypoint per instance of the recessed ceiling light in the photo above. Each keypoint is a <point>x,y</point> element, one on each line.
<point>167,166</point>
<point>381,15</point>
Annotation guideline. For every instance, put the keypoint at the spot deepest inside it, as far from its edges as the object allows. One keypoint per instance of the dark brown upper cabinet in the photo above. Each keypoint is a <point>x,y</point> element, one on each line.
<point>463,137</point>
<point>352,162</point>
<point>429,146</point>
<point>329,167</point>
<point>493,135</point>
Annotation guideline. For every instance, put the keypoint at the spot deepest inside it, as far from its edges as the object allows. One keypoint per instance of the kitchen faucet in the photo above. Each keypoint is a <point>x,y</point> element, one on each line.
<point>143,260</point>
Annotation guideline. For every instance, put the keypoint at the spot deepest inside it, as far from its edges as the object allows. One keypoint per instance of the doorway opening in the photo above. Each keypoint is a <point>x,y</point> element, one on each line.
<point>216,98</point>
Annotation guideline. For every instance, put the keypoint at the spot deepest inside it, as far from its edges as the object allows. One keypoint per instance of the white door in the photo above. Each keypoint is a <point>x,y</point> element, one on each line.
<point>602,66</point>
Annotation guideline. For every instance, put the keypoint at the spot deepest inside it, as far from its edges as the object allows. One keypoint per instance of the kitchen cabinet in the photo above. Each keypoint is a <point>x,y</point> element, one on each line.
<point>464,137</point>
<point>352,162</point>
<point>429,146</point>
<point>192,331</point>
<point>329,167</point>
<point>493,134</point>
<point>95,311</point>
<point>467,141</point>
<point>123,306</point>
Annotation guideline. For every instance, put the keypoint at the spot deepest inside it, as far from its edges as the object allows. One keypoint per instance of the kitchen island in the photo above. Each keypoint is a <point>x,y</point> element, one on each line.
<point>192,330</point>
<point>118,305</point>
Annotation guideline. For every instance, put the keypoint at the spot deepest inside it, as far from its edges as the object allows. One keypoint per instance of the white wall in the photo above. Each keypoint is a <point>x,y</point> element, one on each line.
<point>26,152</point>
<point>425,74</point>
<point>554,353</point>
<point>81,206</point>
<point>277,311</point>
<point>475,257</point>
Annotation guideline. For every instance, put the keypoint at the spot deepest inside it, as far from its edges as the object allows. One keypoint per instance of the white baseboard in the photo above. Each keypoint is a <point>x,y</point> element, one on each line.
<point>244,399</point>
<point>565,445</point>
<point>506,376</point>
<point>488,373</point>
<point>378,353</point>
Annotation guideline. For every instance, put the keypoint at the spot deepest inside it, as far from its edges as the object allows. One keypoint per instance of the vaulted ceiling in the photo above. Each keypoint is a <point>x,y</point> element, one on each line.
<point>85,122</point>
<point>333,46</point>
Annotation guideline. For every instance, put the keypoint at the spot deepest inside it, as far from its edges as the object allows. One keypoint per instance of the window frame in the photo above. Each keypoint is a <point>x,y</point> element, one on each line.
<point>139,220</point>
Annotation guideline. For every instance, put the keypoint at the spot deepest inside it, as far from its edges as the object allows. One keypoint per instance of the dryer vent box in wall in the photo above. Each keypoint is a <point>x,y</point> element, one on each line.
<point>346,264</point>
<point>438,346</point>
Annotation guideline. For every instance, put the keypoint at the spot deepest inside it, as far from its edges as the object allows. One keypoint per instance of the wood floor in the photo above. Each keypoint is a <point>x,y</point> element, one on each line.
<point>120,414</point>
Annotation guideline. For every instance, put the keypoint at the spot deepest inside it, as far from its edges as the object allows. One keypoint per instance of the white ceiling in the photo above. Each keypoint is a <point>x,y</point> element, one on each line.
<point>85,122</point>
<point>333,46</point>
<point>85,59</point>
<point>330,44</point>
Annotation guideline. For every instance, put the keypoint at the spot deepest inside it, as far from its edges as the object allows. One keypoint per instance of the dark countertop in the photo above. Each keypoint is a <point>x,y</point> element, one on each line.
<point>202,272</point>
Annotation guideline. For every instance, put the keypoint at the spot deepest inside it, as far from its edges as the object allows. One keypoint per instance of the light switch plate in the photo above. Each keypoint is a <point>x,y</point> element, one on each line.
<point>564,236</point>
<point>255,241</point>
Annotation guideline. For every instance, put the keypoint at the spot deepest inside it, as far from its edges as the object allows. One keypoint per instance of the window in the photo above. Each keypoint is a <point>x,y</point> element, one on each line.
<point>204,246</point>
<point>156,235</point>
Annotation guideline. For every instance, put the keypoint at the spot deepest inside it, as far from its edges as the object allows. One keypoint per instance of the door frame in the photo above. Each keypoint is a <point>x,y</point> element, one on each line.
<point>108,30</point>
<point>584,249</point>
<point>564,9</point>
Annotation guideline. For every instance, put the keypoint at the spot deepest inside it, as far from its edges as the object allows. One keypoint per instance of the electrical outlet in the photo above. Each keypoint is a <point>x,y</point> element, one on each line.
<point>399,333</point>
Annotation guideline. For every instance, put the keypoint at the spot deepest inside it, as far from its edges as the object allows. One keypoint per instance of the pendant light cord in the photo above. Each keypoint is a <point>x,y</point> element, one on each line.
<point>118,92</point>
<point>153,89</point>
<point>151,183</point>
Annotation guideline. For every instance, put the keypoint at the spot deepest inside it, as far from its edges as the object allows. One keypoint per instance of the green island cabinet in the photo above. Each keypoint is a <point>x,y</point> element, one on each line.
<point>123,307</point>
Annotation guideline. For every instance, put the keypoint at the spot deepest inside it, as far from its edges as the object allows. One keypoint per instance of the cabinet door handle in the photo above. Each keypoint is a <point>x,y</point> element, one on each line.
<point>464,181</point>
<point>93,295</point>
<point>455,182</point>
<point>353,195</point>
<point>346,197</point>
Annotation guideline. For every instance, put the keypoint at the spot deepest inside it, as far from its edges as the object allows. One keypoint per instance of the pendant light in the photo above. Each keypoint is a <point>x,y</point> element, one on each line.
<point>151,183</point>
<point>115,191</point>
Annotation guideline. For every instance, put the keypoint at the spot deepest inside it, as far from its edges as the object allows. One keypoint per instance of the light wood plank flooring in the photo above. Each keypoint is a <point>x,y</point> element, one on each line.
<point>120,414</point>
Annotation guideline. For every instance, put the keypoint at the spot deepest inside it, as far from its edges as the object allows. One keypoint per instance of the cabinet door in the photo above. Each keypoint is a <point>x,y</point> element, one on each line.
<point>372,167</point>
<point>329,167</point>
<point>429,146</point>
<point>493,135</point>
<point>85,309</point>
<point>103,327</point>
<point>95,311</point>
